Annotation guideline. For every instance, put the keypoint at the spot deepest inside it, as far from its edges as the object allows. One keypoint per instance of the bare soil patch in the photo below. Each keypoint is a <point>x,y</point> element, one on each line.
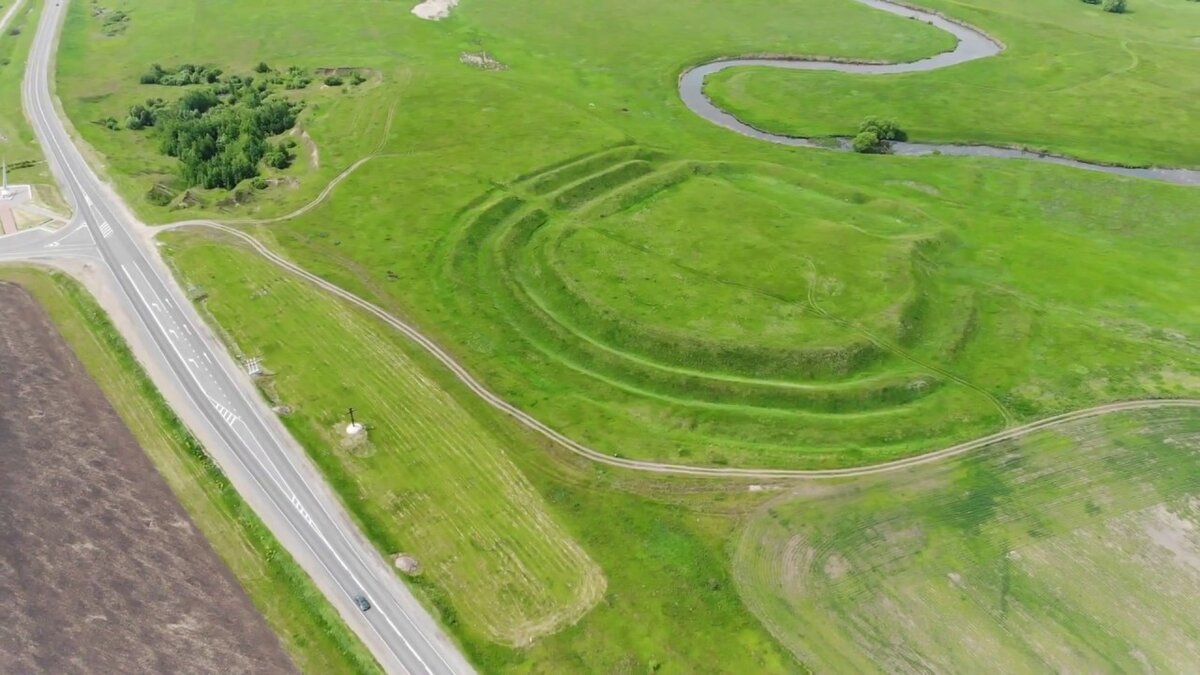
<point>101,570</point>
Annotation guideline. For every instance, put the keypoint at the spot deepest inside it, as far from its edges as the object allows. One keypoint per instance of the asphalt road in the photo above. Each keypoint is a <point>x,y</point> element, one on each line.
<point>265,464</point>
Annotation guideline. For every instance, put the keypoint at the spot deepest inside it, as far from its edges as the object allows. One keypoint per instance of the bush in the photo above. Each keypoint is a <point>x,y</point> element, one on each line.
<point>868,142</point>
<point>279,157</point>
<point>1092,2</point>
<point>333,81</point>
<point>357,79</point>
<point>1114,6</point>
<point>883,128</point>
<point>262,67</point>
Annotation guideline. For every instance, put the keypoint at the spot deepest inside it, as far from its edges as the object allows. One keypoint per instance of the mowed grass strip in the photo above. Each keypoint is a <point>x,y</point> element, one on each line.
<point>309,627</point>
<point>1067,551</point>
<point>429,480</point>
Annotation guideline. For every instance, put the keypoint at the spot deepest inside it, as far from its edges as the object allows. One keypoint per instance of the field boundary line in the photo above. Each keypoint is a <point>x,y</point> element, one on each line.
<point>533,424</point>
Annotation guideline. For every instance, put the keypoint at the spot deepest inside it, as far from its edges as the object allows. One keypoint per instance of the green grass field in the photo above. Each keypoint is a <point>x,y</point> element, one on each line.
<point>657,287</point>
<point>309,628</point>
<point>1116,88</point>
<point>428,478</point>
<point>25,161</point>
<point>515,544</point>
<point>1071,550</point>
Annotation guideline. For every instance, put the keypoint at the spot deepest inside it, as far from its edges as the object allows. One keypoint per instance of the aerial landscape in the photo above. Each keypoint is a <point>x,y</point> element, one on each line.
<point>817,336</point>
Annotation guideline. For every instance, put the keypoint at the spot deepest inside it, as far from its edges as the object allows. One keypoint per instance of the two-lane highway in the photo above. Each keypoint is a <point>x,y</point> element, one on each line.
<point>262,460</point>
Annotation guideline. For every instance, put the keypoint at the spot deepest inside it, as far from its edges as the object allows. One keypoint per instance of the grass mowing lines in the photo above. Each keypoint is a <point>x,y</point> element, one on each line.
<point>310,629</point>
<point>552,278</point>
<point>429,480</point>
<point>1067,550</point>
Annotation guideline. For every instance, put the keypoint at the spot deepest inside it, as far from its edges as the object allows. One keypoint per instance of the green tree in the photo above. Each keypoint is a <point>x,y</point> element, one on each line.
<point>868,142</point>
<point>883,128</point>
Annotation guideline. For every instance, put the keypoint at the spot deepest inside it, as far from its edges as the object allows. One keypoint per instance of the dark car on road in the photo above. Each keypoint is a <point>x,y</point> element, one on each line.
<point>362,602</point>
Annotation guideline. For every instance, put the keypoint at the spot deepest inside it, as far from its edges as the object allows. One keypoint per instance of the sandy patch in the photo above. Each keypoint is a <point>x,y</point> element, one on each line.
<point>434,10</point>
<point>481,60</point>
<point>1175,534</point>
<point>836,567</point>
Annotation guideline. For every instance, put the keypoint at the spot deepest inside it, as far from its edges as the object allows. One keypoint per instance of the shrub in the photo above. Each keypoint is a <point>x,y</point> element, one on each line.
<point>279,157</point>
<point>357,79</point>
<point>1114,6</point>
<point>262,67</point>
<point>883,128</point>
<point>868,142</point>
<point>333,81</point>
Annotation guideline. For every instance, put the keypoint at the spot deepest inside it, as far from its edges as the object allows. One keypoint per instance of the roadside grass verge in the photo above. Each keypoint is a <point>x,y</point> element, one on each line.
<point>25,161</point>
<point>428,480</point>
<point>310,629</point>
<point>1067,550</point>
<point>659,544</point>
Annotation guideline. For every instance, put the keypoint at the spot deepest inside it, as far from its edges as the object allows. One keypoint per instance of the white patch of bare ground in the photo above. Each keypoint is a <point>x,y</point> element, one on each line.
<point>481,60</point>
<point>434,10</point>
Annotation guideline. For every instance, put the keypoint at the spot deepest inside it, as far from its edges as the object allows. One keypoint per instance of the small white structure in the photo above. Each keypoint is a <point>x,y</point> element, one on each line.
<point>354,428</point>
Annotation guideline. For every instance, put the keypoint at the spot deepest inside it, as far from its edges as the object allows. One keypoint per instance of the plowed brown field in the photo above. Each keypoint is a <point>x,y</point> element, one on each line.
<point>101,570</point>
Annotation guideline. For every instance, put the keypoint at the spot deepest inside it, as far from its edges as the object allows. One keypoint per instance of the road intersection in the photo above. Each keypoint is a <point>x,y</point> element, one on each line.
<point>219,402</point>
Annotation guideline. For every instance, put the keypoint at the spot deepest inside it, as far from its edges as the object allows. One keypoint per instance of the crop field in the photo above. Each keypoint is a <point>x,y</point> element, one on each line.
<point>99,564</point>
<point>537,563</point>
<point>313,634</point>
<point>1073,550</point>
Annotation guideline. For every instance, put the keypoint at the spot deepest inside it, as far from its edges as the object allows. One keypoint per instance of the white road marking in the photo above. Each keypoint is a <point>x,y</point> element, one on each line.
<point>106,230</point>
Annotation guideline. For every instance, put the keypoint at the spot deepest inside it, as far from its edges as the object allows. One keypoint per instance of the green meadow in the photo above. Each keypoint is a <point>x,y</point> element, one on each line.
<point>657,287</point>
<point>1069,550</point>
<point>536,561</point>
<point>1113,88</point>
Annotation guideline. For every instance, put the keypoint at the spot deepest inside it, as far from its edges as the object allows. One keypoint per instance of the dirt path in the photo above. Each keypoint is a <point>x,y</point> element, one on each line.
<point>533,424</point>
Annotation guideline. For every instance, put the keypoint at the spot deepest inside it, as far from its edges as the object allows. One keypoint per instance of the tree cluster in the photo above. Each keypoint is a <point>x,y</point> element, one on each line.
<point>219,132</point>
<point>876,135</point>
<point>181,75</point>
<point>294,77</point>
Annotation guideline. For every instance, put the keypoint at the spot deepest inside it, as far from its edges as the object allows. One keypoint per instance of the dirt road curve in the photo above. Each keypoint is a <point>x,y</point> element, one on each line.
<point>101,570</point>
<point>534,424</point>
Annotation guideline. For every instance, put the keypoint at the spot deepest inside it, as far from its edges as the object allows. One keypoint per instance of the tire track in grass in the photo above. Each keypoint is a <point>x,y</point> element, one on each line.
<point>533,424</point>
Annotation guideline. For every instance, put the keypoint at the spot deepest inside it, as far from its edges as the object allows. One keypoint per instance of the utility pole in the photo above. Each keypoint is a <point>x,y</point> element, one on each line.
<point>354,427</point>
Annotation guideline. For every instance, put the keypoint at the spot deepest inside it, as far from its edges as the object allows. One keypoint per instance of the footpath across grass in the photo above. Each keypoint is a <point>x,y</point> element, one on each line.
<point>504,526</point>
<point>309,627</point>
